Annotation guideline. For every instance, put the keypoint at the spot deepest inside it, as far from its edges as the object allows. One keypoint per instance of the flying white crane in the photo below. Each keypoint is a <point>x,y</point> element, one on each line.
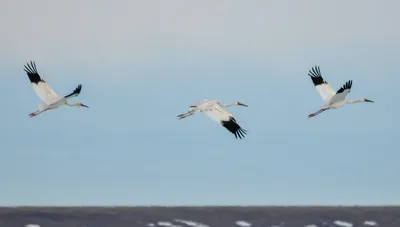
<point>332,99</point>
<point>46,93</point>
<point>214,110</point>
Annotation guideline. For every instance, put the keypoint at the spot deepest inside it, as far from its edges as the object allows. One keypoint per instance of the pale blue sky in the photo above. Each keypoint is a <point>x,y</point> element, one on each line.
<point>142,63</point>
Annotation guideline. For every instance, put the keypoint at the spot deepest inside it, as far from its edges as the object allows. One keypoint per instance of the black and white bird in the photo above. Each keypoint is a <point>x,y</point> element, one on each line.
<point>332,99</point>
<point>46,93</point>
<point>214,110</point>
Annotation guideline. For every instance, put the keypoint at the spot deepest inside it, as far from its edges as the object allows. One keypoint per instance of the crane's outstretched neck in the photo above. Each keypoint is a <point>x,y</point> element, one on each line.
<point>358,100</point>
<point>235,104</point>
<point>353,101</point>
<point>77,104</point>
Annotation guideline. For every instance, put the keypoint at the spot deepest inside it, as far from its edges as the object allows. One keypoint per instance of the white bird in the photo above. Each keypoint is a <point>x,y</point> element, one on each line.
<point>214,110</point>
<point>46,93</point>
<point>332,99</point>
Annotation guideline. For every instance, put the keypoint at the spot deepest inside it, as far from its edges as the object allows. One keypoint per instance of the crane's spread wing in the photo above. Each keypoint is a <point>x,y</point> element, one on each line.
<point>226,120</point>
<point>324,89</point>
<point>75,93</point>
<point>342,92</point>
<point>41,88</point>
<point>234,128</point>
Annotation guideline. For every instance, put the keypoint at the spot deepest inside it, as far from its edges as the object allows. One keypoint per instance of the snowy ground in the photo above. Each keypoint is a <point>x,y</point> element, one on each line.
<point>200,217</point>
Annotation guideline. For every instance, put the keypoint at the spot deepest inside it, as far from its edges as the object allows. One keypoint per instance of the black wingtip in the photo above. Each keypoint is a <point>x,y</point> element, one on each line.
<point>347,85</point>
<point>234,128</point>
<point>31,71</point>
<point>77,91</point>
<point>316,77</point>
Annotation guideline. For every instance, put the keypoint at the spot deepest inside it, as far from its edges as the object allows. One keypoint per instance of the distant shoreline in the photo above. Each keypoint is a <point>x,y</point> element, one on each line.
<point>205,206</point>
<point>200,216</point>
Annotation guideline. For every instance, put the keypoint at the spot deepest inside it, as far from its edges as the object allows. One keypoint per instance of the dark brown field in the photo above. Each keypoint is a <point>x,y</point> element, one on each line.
<point>203,216</point>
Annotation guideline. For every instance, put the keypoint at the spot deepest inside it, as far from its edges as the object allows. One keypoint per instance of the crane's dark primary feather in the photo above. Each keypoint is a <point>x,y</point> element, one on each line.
<point>345,86</point>
<point>234,128</point>
<point>316,76</point>
<point>32,73</point>
<point>75,92</point>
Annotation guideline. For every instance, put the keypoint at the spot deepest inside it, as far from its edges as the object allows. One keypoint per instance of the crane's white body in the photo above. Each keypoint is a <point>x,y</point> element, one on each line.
<point>46,93</point>
<point>333,99</point>
<point>54,105</point>
<point>215,111</point>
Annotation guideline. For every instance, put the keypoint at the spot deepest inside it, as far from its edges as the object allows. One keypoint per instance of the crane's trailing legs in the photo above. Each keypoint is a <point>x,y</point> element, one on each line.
<point>318,112</point>
<point>184,115</point>
<point>55,106</point>
<point>36,113</point>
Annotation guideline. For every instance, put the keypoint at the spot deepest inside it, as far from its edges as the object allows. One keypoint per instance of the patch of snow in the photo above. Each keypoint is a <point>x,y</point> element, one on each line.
<point>311,225</point>
<point>372,223</point>
<point>343,223</point>
<point>150,224</point>
<point>162,223</point>
<point>243,223</point>
<point>191,223</point>
<point>32,225</point>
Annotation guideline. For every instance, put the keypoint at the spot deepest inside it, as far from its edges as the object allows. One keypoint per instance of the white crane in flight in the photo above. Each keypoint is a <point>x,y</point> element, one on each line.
<point>214,110</point>
<point>332,99</point>
<point>46,93</point>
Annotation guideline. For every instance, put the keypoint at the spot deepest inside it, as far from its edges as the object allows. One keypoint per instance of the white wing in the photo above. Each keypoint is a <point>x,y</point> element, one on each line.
<point>342,92</point>
<point>45,93</point>
<point>325,91</point>
<point>41,88</point>
<point>226,120</point>
<point>323,88</point>
<point>217,114</point>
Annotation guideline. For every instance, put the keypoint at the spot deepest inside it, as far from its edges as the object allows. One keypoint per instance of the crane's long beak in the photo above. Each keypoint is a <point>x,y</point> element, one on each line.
<point>84,105</point>
<point>367,100</point>
<point>241,104</point>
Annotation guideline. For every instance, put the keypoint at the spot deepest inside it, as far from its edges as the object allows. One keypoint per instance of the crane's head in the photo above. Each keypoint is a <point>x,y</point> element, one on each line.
<point>367,100</point>
<point>241,104</point>
<point>80,104</point>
